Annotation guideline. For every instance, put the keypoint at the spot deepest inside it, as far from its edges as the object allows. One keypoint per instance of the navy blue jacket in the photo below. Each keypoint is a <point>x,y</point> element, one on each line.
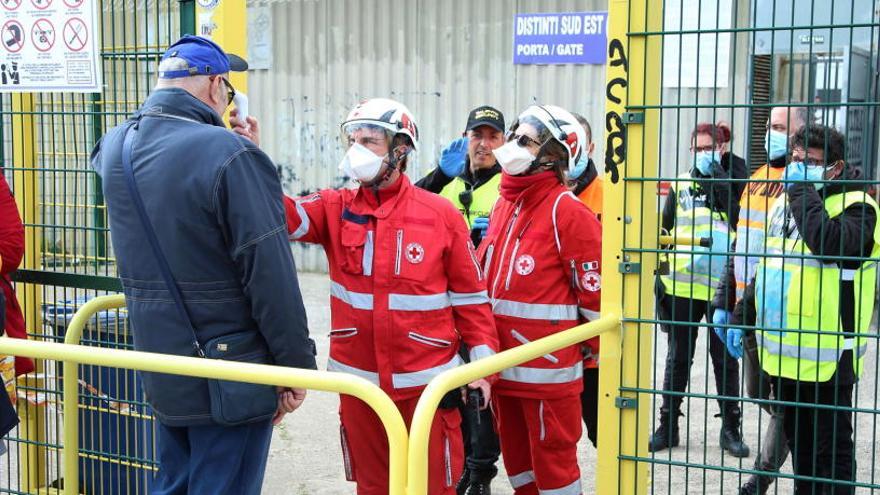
<point>214,201</point>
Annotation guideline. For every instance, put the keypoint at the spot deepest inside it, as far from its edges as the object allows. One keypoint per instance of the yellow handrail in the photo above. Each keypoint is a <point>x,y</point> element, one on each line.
<point>417,464</point>
<point>73,355</point>
<point>668,240</point>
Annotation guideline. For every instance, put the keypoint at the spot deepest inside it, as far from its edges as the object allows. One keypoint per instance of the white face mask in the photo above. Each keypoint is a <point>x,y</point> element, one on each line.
<point>513,158</point>
<point>360,163</point>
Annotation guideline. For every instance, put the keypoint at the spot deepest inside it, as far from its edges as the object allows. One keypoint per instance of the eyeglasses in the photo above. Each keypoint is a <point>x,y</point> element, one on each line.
<point>230,91</point>
<point>524,140</point>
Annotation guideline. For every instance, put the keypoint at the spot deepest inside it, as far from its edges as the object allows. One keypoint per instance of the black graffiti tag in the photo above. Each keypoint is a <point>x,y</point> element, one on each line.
<point>615,155</point>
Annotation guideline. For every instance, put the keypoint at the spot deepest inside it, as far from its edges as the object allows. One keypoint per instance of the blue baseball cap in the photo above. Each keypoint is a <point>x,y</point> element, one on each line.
<point>205,58</point>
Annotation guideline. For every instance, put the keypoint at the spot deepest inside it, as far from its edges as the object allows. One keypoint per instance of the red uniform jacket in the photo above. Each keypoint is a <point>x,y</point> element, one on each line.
<point>11,251</point>
<point>405,283</point>
<point>541,256</point>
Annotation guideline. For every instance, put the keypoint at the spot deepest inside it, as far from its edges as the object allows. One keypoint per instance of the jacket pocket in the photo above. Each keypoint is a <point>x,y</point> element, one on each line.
<point>353,239</point>
<point>417,253</point>
<point>430,341</point>
<point>343,333</point>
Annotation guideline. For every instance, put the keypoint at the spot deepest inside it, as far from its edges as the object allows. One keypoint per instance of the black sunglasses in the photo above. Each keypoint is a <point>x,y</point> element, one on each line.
<point>523,141</point>
<point>230,91</point>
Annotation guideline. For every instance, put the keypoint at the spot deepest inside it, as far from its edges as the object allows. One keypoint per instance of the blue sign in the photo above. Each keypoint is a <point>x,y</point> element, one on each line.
<point>563,38</point>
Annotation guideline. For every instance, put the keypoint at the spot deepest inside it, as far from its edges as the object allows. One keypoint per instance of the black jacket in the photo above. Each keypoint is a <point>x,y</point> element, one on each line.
<point>586,178</point>
<point>436,180</point>
<point>847,235</point>
<point>725,294</point>
<point>215,202</point>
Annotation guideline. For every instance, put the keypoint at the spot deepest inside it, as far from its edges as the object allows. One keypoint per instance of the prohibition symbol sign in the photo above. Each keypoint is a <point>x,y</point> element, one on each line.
<point>10,4</point>
<point>73,3</point>
<point>43,35</point>
<point>42,4</point>
<point>75,34</point>
<point>12,36</point>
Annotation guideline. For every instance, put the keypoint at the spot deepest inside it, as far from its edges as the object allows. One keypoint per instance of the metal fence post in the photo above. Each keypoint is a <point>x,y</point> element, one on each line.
<point>25,177</point>
<point>631,152</point>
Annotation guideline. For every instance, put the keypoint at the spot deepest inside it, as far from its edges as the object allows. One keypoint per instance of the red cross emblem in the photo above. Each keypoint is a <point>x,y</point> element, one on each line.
<point>525,265</point>
<point>591,281</point>
<point>415,253</point>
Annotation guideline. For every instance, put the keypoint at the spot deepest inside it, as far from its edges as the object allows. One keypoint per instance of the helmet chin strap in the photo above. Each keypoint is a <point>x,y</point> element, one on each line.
<point>389,170</point>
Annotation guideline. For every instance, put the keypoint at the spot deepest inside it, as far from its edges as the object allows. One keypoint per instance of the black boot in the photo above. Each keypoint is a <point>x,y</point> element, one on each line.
<point>756,485</point>
<point>731,437</point>
<point>463,482</point>
<point>480,482</point>
<point>666,435</point>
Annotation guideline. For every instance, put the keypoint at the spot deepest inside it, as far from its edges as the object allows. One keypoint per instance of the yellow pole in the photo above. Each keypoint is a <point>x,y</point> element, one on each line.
<point>226,24</point>
<point>420,430</point>
<point>24,183</point>
<point>633,78</point>
<point>74,355</point>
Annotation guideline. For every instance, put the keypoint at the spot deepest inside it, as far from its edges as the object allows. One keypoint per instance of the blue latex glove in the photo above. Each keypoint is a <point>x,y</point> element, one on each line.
<point>720,317</point>
<point>480,224</point>
<point>734,342</point>
<point>453,156</point>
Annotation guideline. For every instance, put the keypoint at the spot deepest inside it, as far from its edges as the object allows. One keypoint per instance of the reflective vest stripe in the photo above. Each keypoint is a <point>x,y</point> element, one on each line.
<point>427,302</point>
<point>303,228</point>
<point>538,376</point>
<point>367,261</point>
<point>398,380</point>
<point>531,311</point>
<point>590,315</point>
<point>479,352</point>
<point>409,302</point>
<point>357,300</point>
<point>465,298</point>
<point>818,354</point>
<point>419,378</point>
<point>684,278</point>
<point>521,479</point>
<point>573,489</point>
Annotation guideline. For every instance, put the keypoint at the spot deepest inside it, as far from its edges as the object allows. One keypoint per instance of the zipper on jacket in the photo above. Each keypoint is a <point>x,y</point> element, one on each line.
<point>489,252</point>
<point>399,252</point>
<point>512,262</point>
<point>504,249</point>
<point>575,281</point>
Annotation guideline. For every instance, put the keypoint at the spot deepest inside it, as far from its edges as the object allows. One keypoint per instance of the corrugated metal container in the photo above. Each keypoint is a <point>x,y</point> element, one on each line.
<point>439,57</point>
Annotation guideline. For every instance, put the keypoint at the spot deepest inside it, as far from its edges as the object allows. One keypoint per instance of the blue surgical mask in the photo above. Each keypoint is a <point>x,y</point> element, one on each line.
<point>578,170</point>
<point>775,144</point>
<point>798,171</point>
<point>703,161</point>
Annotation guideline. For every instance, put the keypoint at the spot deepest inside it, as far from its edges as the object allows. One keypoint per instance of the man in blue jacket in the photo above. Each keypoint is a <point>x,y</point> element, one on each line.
<point>213,200</point>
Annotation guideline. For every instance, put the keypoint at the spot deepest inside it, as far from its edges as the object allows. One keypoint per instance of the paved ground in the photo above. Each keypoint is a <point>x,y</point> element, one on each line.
<point>306,459</point>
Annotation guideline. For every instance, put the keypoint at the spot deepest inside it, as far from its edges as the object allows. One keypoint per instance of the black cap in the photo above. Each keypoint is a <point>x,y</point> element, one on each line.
<point>485,115</point>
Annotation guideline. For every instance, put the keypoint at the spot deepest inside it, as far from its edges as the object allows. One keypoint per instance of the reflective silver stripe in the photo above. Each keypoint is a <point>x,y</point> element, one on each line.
<point>447,457</point>
<point>572,489</point>
<point>523,340</point>
<point>687,278</point>
<point>480,352</point>
<point>817,354</point>
<point>357,300</point>
<point>522,479</point>
<point>429,340</point>
<point>848,274</point>
<point>541,420</point>
<point>409,302</point>
<point>419,378</point>
<point>398,253</point>
<point>367,262</point>
<point>303,228</point>
<point>522,374</point>
<point>465,298</point>
<point>589,314</point>
<point>529,311</point>
<point>334,365</point>
<point>693,221</point>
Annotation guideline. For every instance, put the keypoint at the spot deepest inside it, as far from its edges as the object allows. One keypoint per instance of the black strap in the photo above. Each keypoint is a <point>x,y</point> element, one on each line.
<point>127,167</point>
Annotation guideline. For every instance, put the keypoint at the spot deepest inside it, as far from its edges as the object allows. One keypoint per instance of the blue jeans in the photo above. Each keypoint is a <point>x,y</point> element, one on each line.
<point>212,459</point>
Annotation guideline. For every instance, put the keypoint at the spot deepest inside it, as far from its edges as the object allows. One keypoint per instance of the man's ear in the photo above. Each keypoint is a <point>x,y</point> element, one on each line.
<point>837,169</point>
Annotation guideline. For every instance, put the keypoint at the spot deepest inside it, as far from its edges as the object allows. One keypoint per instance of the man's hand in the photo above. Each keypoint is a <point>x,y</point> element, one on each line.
<point>289,400</point>
<point>250,130</point>
<point>484,387</point>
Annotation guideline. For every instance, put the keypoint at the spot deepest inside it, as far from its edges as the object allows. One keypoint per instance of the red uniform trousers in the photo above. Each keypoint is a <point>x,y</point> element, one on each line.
<point>539,443</point>
<point>365,447</point>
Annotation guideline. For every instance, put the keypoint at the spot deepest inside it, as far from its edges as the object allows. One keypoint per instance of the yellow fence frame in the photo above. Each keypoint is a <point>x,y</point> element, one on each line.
<point>74,355</point>
<point>420,430</point>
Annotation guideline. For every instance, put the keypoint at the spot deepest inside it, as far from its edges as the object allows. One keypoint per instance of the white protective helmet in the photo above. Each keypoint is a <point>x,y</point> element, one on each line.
<point>391,115</point>
<point>558,124</point>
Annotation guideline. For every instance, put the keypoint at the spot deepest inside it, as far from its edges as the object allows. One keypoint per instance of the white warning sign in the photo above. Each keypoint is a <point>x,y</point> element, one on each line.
<point>49,45</point>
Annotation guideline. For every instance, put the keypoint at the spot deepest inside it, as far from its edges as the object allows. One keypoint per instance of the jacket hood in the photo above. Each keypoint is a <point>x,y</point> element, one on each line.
<point>179,102</point>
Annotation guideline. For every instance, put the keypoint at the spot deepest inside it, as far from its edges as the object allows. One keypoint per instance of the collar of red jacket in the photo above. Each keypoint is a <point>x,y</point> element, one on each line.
<point>366,203</point>
<point>528,187</point>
